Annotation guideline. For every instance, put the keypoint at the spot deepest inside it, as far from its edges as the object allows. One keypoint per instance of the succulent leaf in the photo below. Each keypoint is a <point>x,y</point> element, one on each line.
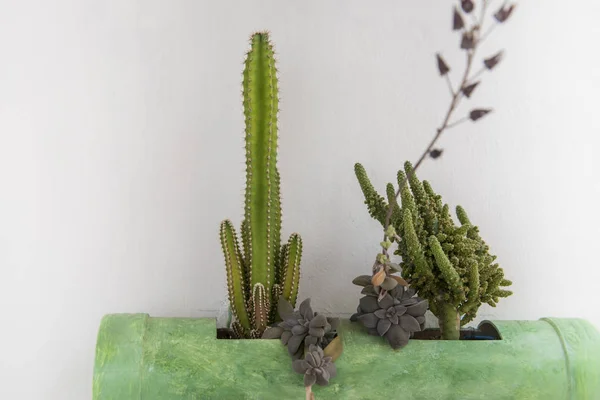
<point>362,280</point>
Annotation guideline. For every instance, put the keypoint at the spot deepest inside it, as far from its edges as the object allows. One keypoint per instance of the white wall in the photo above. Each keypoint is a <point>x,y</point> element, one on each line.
<point>121,151</point>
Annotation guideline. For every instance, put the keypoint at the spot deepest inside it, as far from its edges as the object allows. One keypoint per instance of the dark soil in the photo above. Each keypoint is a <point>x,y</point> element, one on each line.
<point>487,333</point>
<point>223,333</point>
<point>465,334</point>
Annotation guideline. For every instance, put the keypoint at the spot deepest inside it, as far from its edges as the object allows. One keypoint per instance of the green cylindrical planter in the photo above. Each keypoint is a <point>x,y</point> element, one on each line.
<point>138,357</point>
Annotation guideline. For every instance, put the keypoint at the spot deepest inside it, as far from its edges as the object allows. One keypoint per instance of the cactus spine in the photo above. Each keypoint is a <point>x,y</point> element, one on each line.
<point>266,269</point>
<point>448,265</point>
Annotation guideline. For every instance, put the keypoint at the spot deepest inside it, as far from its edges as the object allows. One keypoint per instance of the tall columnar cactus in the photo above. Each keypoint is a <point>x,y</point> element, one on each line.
<point>265,269</point>
<point>447,264</point>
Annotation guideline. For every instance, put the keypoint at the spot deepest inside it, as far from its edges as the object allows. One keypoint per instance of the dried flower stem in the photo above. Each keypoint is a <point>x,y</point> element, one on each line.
<point>457,122</point>
<point>487,33</point>
<point>309,393</point>
<point>450,87</point>
<point>477,74</point>
<point>456,97</point>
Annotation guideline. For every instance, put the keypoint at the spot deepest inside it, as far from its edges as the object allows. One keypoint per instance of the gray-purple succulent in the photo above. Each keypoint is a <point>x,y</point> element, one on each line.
<point>395,315</point>
<point>315,367</point>
<point>302,328</point>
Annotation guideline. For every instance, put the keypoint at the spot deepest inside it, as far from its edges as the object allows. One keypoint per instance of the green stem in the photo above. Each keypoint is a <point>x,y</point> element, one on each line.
<point>449,321</point>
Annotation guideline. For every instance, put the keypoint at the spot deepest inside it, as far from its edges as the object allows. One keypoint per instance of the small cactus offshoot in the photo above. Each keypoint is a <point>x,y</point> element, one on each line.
<point>263,269</point>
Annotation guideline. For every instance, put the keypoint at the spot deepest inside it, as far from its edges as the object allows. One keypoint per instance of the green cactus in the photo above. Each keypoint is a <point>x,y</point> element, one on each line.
<point>447,264</point>
<point>265,270</point>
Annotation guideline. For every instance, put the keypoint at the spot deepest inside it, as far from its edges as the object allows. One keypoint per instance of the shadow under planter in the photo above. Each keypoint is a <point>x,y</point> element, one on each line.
<point>138,357</point>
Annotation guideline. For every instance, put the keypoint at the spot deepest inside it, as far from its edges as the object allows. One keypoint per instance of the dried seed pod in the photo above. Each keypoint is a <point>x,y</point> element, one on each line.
<point>435,153</point>
<point>457,20</point>
<point>504,13</point>
<point>467,5</point>
<point>478,113</point>
<point>467,90</point>
<point>442,66</point>
<point>491,62</point>
<point>468,41</point>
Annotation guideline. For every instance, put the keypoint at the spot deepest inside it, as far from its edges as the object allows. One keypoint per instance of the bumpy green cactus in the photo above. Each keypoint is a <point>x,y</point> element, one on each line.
<point>447,264</point>
<point>265,270</point>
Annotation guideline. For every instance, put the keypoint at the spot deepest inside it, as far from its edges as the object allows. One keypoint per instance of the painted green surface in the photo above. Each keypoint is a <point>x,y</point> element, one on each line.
<point>138,357</point>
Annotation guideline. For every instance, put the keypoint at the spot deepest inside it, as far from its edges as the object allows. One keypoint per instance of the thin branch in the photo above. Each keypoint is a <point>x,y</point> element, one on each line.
<point>457,122</point>
<point>446,124</point>
<point>482,15</point>
<point>486,4</point>
<point>477,74</point>
<point>474,18</point>
<point>456,97</point>
<point>449,84</point>
<point>453,104</point>
<point>487,33</point>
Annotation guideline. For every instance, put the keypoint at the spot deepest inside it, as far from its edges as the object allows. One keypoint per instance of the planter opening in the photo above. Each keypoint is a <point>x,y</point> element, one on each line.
<point>485,331</point>
<point>223,333</point>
